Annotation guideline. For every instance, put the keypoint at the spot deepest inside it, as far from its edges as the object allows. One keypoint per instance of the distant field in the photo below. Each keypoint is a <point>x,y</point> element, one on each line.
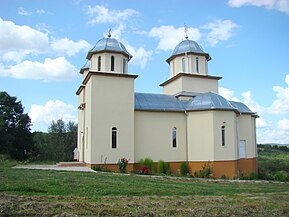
<point>32,192</point>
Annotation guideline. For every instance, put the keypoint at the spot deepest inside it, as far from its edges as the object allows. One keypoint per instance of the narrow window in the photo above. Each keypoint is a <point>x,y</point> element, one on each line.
<point>99,64</point>
<point>113,137</point>
<point>183,65</point>
<point>124,66</point>
<point>197,64</point>
<point>173,67</point>
<point>112,63</point>
<point>223,135</point>
<point>174,137</point>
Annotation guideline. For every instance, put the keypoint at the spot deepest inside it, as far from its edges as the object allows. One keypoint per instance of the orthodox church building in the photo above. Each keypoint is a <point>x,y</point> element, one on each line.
<point>189,122</point>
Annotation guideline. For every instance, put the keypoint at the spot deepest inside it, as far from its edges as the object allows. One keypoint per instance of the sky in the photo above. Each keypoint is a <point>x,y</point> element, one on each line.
<point>43,45</point>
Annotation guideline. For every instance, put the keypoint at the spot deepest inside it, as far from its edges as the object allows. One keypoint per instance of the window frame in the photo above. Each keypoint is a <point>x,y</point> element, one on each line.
<point>174,137</point>
<point>114,137</point>
<point>112,63</point>
<point>99,63</point>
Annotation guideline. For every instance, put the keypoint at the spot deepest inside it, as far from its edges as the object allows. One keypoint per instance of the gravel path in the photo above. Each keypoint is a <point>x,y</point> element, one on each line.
<point>55,167</point>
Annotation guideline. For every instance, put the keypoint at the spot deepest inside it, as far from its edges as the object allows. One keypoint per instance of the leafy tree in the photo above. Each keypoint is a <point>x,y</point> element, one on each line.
<point>16,138</point>
<point>58,144</point>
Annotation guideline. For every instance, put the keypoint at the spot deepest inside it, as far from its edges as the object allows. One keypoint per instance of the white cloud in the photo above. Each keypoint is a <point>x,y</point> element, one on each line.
<point>101,14</point>
<point>69,47</point>
<point>40,11</point>
<point>51,69</point>
<point>23,12</point>
<point>140,55</point>
<point>228,94</point>
<point>281,104</point>
<point>283,124</point>
<point>170,36</point>
<point>220,30</point>
<point>42,115</point>
<point>280,5</point>
<point>15,37</point>
<point>273,136</point>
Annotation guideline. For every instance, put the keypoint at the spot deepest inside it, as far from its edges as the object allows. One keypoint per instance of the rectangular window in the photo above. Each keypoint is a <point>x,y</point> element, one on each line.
<point>242,149</point>
<point>183,65</point>
<point>223,136</point>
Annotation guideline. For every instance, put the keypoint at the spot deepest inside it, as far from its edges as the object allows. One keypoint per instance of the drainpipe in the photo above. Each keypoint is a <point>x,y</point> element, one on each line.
<point>187,146</point>
<point>237,146</point>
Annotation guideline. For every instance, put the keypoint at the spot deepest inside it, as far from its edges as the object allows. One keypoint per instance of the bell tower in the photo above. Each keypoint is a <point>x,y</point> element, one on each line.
<point>189,71</point>
<point>106,105</point>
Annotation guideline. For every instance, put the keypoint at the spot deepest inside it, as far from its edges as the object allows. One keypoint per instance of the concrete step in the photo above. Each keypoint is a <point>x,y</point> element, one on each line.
<point>71,164</point>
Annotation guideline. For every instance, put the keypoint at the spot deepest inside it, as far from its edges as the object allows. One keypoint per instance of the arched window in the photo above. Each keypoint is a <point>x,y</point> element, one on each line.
<point>223,135</point>
<point>99,63</point>
<point>112,63</point>
<point>197,64</point>
<point>113,137</point>
<point>183,65</point>
<point>174,137</point>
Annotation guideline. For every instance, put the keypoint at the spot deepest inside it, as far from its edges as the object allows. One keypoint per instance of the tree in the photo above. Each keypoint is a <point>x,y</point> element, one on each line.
<point>58,144</point>
<point>16,138</point>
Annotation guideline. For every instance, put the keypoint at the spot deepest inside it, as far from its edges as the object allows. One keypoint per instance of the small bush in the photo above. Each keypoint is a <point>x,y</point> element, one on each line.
<point>224,177</point>
<point>122,164</point>
<point>280,176</point>
<point>244,176</point>
<point>163,167</point>
<point>185,169</point>
<point>205,172</point>
<point>253,176</point>
<point>149,163</point>
<point>144,170</point>
<point>96,168</point>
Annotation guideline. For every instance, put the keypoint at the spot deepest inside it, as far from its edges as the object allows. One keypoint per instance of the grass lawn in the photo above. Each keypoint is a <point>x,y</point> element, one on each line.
<point>49,193</point>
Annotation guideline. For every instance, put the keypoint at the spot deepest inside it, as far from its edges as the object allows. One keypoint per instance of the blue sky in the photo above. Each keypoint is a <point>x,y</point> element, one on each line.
<point>43,44</point>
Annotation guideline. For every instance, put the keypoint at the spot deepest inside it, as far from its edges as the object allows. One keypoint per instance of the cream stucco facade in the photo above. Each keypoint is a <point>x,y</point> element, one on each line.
<point>189,122</point>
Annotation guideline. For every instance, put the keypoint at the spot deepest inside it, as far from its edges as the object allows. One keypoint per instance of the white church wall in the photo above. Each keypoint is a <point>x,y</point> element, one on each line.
<point>112,106</point>
<point>227,119</point>
<point>199,84</point>
<point>200,136</point>
<point>80,129</point>
<point>246,132</point>
<point>88,121</point>
<point>153,136</point>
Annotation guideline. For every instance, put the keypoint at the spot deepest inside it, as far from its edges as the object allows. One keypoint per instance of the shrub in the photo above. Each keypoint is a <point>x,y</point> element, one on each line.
<point>149,163</point>
<point>224,177</point>
<point>205,172</point>
<point>122,164</point>
<point>280,176</point>
<point>244,176</point>
<point>253,176</point>
<point>185,169</point>
<point>163,167</point>
<point>144,170</point>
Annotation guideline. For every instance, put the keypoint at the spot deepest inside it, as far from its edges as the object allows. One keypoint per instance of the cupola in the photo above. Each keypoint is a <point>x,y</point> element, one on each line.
<point>109,55</point>
<point>188,57</point>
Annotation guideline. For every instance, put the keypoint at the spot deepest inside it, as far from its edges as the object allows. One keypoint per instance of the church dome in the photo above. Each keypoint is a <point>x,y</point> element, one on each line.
<point>109,44</point>
<point>189,46</point>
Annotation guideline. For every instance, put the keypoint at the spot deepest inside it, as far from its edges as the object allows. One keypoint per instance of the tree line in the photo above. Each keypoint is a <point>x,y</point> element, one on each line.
<point>17,140</point>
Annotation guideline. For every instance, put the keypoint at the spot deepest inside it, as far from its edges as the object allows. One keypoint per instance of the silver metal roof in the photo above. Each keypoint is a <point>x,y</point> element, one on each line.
<point>187,46</point>
<point>158,102</point>
<point>207,101</point>
<point>242,108</point>
<point>86,66</point>
<point>109,44</point>
<point>203,101</point>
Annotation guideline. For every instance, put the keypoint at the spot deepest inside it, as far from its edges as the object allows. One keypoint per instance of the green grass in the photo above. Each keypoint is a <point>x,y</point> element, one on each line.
<point>35,192</point>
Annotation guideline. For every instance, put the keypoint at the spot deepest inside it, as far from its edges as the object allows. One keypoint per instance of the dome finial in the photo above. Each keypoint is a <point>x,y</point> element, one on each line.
<point>186,31</point>
<point>109,32</point>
